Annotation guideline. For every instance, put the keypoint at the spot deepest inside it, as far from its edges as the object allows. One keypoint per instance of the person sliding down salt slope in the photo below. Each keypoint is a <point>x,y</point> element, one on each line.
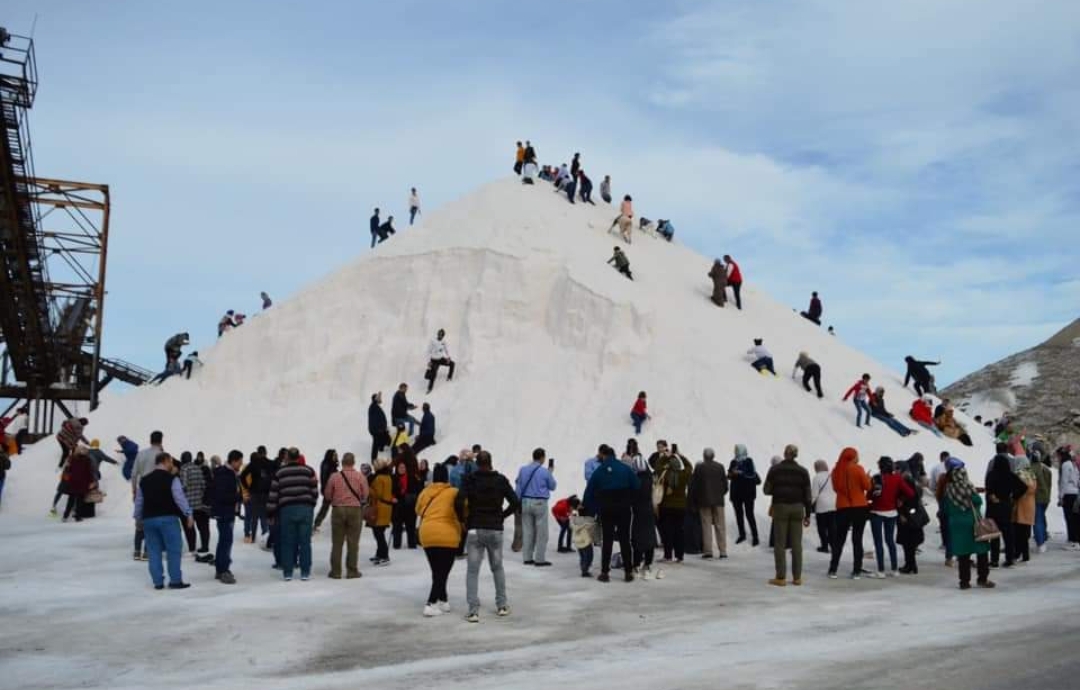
<point>762,358</point>
<point>917,371</point>
<point>861,390</point>
<point>923,415</point>
<point>438,356</point>
<point>622,264</point>
<point>811,372</point>
<point>718,273</point>
<point>640,412</point>
<point>666,229</point>
<point>877,409</point>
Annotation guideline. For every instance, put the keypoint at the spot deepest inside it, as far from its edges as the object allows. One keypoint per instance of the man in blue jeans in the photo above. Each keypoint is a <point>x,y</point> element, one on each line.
<point>224,504</point>
<point>485,491</point>
<point>293,495</point>
<point>534,487</point>
<point>159,502</point>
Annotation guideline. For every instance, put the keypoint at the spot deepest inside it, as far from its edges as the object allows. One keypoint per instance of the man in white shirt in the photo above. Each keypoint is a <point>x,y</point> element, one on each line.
<point>414,205</point>
<point>438,356</point>
<point>762,358</point>
<point>18,428</point>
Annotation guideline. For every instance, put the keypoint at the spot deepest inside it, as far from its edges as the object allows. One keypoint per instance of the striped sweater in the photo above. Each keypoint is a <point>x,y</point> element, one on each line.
<point>293,485</point>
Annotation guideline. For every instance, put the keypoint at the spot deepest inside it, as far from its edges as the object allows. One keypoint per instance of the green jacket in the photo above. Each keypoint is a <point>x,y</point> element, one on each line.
<point>676,480</point>
<point>962,528</point>
<point>1043,479</point>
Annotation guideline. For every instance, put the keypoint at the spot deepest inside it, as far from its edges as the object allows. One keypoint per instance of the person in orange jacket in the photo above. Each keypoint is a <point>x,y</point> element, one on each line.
<point>851,483</point>
<point>561,511</point>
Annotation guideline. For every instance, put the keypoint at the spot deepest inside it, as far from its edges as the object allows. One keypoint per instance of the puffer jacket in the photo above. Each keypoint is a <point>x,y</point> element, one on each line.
<point>850,481</point>
<point>382,493</point>
<point>439,524</point>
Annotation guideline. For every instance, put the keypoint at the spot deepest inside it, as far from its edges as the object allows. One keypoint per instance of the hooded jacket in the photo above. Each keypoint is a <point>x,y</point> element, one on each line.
<point>612,486</point>
<point>485,492</point>
<point>850,481</point>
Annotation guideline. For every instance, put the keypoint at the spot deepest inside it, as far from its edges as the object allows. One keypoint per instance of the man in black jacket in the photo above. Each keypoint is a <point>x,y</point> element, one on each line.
<point>484,492</point>
<point>377,426</point>
<point>374,228</point>
<point>917,371</point>
<point>257,476</point>
<point>224,505</point>
<point>401,408</point>
<point>788,483</point>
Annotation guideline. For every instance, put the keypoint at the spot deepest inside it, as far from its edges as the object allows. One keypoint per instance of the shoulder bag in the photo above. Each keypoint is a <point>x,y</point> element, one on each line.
<point>985,528</point>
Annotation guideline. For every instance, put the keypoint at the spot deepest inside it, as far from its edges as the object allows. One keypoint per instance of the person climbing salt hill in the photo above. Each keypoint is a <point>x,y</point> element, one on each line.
<point>811,372</point>
<point>519,158</point>
<point>438,356</point>
<point>386,229</point>
<point>815,310</point>
<point>879,412</point>
<point>575,165</point>
<point>401,409</point>
<point>570,188</point>
<point>173,347</point>
<point>862,395</point>
<point>189,363</point>
<point>640,412</point>
<point>585,187</point>
<point>226,323</point>
<point>426,438</point>
<point>625,220</point>
<point>375,223</point>
<point>718,273</point>
<point>762,359</point>
<point>734,279</point>
<point>917,371</point>
<point>666,229</point>
<point>266,301</point>
<point>621,263</point>
<point>605,189</point>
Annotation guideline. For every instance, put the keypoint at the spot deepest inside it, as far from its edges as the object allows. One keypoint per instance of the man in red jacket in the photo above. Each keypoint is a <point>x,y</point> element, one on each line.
<point>734,279</point>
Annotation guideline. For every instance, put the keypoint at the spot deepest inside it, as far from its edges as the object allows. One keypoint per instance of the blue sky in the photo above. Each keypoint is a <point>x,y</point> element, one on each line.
<point>916,162</point>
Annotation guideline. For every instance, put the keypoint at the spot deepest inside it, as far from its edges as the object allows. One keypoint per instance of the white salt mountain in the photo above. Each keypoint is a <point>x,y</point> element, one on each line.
<point>1039,386</point>
<point>552,346</point>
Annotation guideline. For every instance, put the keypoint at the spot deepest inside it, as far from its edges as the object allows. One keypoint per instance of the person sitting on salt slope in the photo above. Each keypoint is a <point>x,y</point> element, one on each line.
<point>719,280</point>
<point>529,173</point>
<point>877,409</point>
<point>815,310</point>
<point>561,177</point>
<point>762,359</point>
<point>386,229</point>
<point>570,188</point>
<point>438,356</point>
<point>622,264</point>
<point>863,395</point>
<point>811,372</point>
<point>640,411</point>
<point>585,187</point>
<point>952,428</point>
<point>226,323</point>
<point>923,416</point>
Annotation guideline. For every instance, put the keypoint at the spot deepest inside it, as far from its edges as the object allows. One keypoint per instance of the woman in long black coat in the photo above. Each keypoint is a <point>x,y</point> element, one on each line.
<point>1002,489</point>
<point>643,528</point>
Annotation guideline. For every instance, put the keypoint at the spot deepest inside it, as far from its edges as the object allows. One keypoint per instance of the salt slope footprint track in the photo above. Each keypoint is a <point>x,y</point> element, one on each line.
<point>552,346</point>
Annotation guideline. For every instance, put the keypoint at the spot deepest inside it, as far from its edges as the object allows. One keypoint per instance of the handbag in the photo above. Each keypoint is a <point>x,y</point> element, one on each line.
<point>658,490</point>
<point>985,528</point>
<point>94,496</point>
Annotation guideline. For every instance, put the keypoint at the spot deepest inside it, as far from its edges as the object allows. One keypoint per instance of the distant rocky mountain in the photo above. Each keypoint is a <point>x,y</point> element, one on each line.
<point>1040,387</point>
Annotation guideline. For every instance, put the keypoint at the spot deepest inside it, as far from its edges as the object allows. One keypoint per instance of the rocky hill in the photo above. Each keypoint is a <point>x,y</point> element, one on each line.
<point>1040,387</point>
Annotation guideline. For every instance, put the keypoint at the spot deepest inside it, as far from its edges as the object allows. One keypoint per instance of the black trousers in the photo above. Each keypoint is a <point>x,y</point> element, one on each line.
<point>382,550</point>
<point>744,510</point>
<point>1022,541</point>
<point>379,442</point>
<point>910,554</point>
<point>1003,517</point>
<point>20,440</point>
<point>982,564</point>
<point>673,532</point>
<point>433,371</point>
<point>853,520</point>
<point>826,525</point>
<point>812,373</point>
<point>202,524</point>
<point>74,503</point>
<point>615,524</point>
<point>737,289</point>
<point>441,561</point>
<point>404,519</point>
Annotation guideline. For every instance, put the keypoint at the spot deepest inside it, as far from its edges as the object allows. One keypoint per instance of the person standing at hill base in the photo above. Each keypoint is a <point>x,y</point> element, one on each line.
<point>962,503</point>
<point>440,533</point>
<point>610,493</point>
<point>811,372</point>
<point>744,481</point>
<point>708,487</point>
<point>789,485</point>
<point>823,501</point>
<point>346,491</point>
<point>438,356</point>
<point>490,500</point>
<point>293,495</point>
<point>534,487</point>
<point>160,504</point>
<point>377,426</point>
<point>851,484</point>
<point>224,506</point>
<point>734,279</point>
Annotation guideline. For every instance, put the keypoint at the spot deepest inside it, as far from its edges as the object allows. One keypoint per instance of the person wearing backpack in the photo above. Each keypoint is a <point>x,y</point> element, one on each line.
<point>346,492</point>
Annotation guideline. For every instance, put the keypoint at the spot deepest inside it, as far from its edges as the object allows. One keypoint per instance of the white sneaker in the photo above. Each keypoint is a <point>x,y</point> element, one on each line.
<point>444,606</point>
<point>660,574</point>
<point>432,610</point>
<point>1041,549</point>
<point>877,575</point>
<point>646,574</point>
<point>1073,546</point>
<point>892,573</point>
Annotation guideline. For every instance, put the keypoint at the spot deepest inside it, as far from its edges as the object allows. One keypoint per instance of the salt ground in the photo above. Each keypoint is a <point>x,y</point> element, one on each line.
<point>78,613</point>
<point>552,346</point>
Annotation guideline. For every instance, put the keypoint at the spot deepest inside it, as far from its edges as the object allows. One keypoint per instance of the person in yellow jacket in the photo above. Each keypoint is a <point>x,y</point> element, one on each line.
<point>440,534</point>
<point>401,437</point>
<point>382,495</point>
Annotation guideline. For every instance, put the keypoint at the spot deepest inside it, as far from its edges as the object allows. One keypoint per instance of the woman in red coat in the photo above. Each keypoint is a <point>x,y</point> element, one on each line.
<point>79,480</point>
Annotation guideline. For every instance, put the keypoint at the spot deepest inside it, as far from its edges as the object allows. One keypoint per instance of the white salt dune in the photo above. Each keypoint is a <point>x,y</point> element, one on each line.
<point>552,346</point>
